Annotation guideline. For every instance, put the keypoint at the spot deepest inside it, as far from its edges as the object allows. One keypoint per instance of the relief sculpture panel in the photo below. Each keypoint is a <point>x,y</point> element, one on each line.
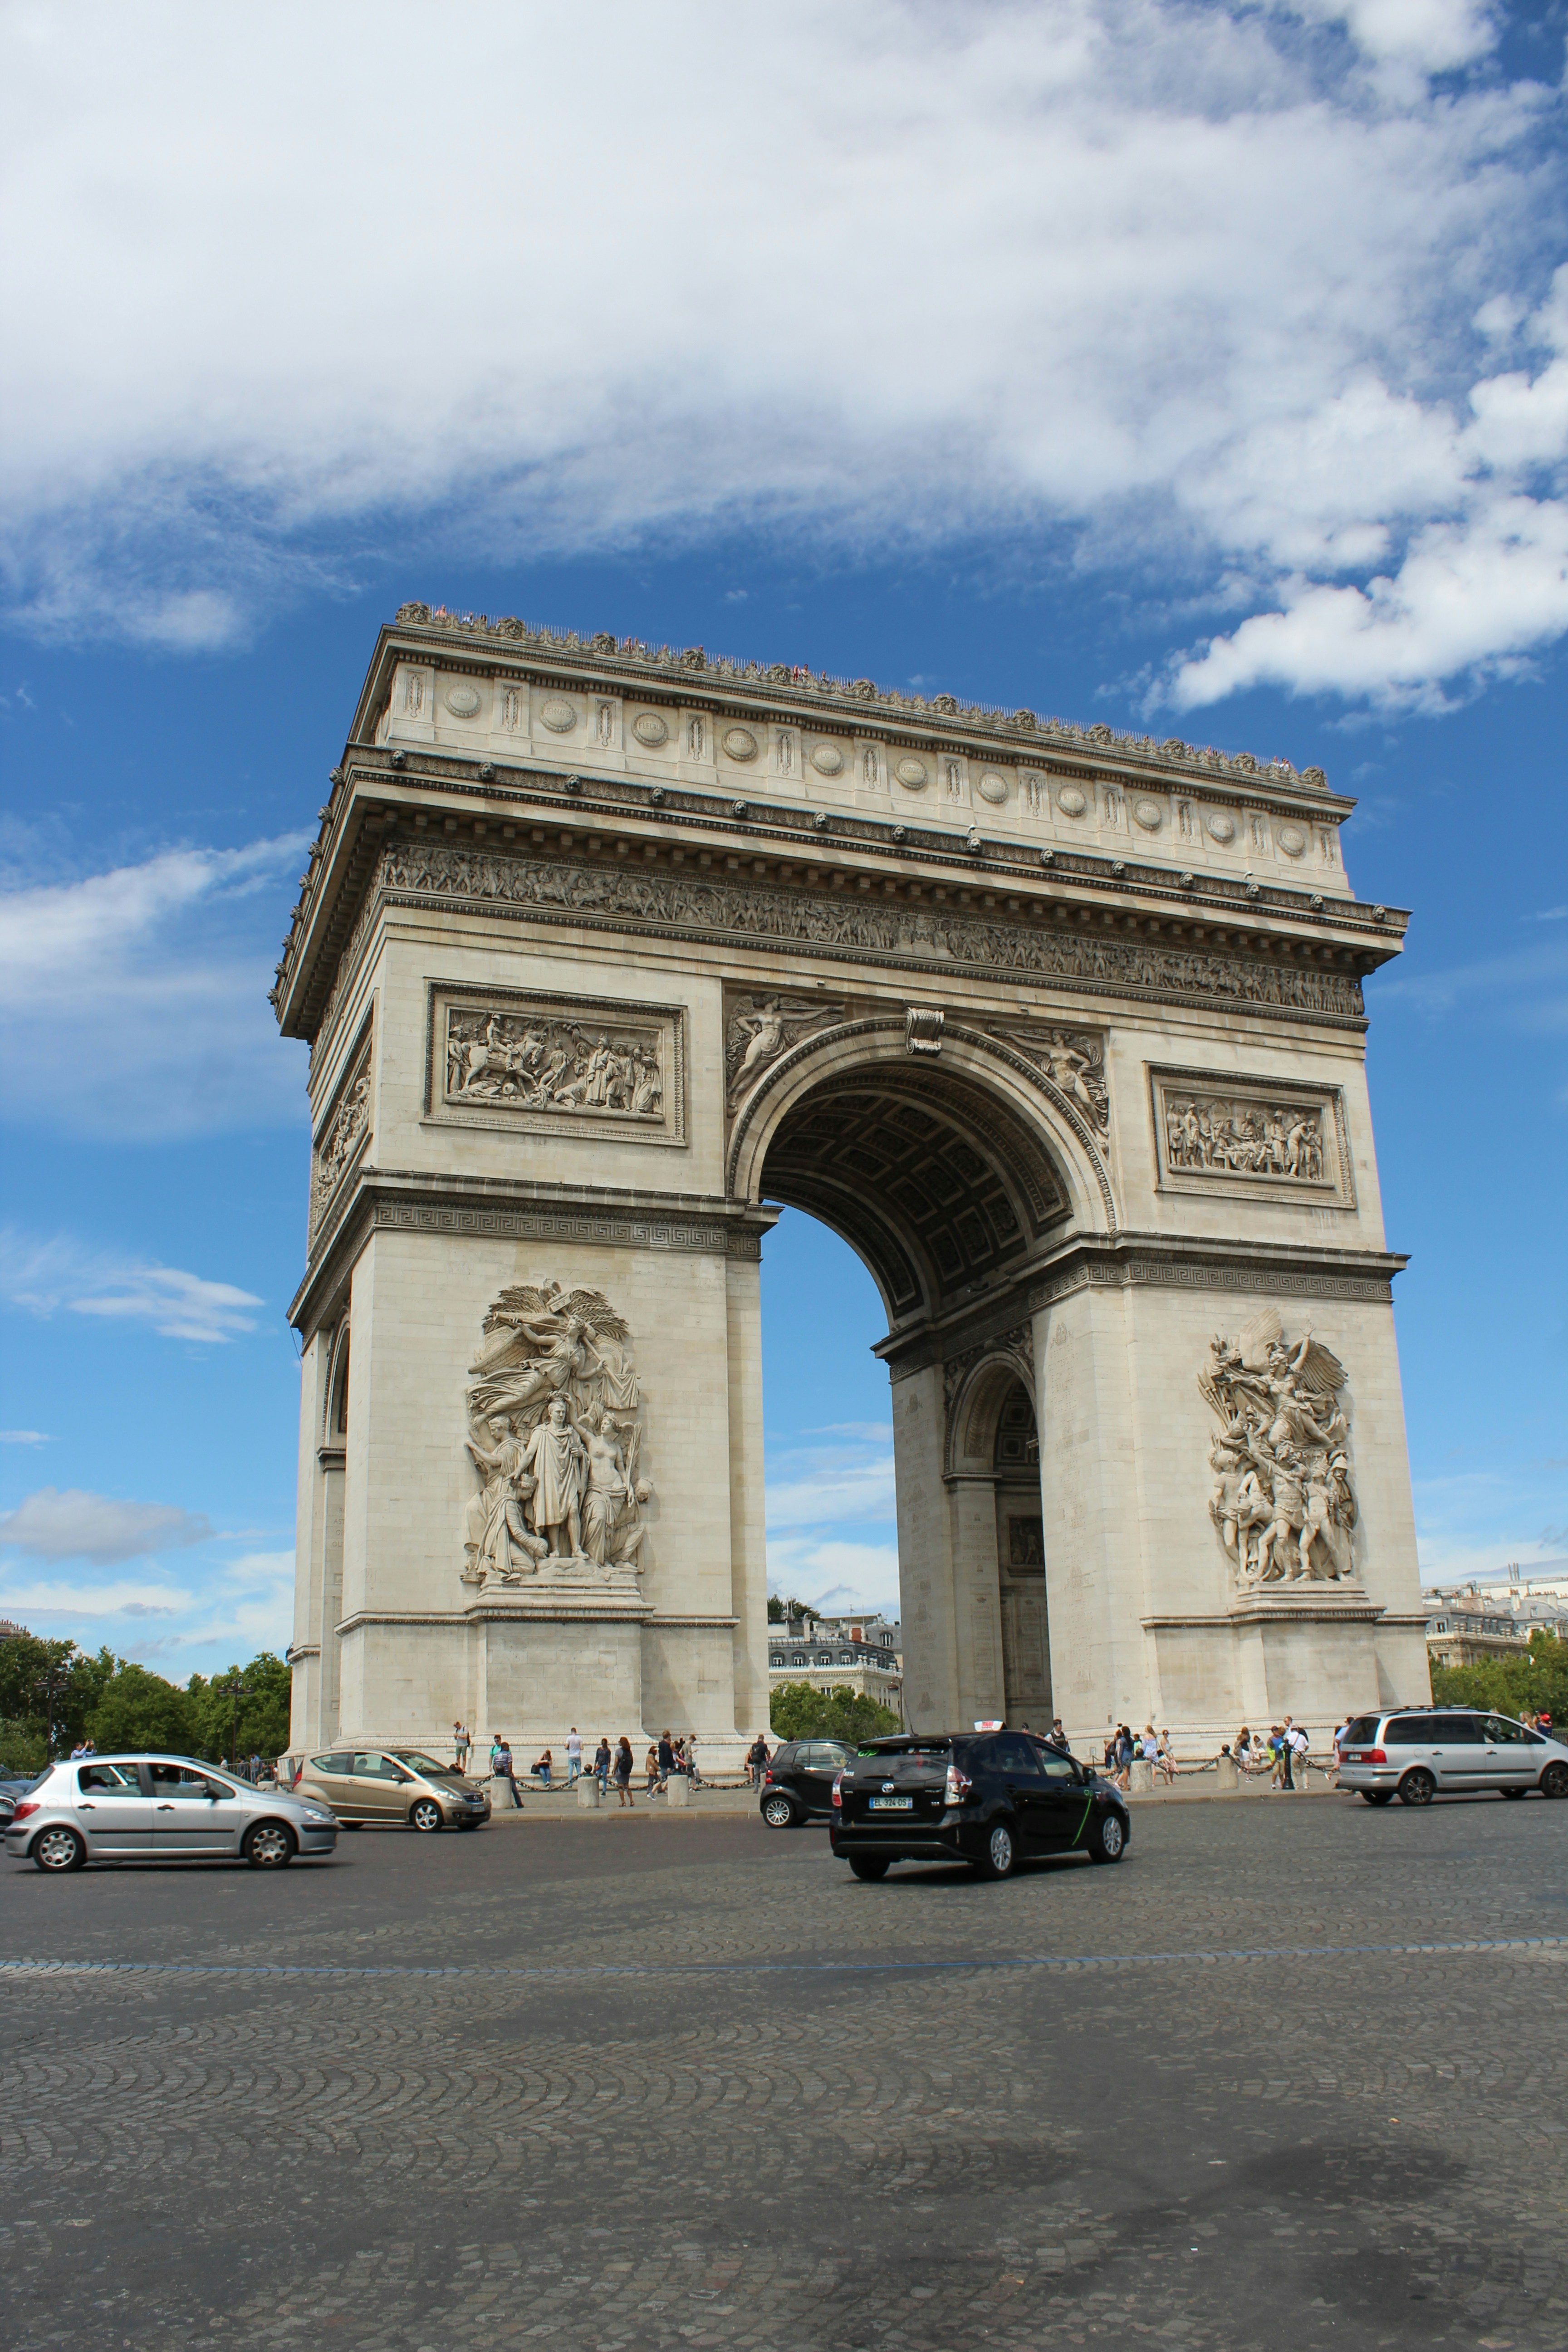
<point>343,1137</point>
<point>554,1415</point>
<point>552,1063</point>
<point>1221,1134</point>
<point>759,1029</point>
<point>1283,1501</point>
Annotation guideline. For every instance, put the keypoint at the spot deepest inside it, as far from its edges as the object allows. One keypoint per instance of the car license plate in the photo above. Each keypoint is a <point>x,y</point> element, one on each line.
<point>892,1805</point>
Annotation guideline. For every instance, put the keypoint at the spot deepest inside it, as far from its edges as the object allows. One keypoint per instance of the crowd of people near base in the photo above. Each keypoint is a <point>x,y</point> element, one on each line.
<point>666,1755</point>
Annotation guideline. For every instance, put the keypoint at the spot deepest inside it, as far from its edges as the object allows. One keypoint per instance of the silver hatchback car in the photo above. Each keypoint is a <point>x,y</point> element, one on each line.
<point>161,1809</point>
<point>1416,1754</point>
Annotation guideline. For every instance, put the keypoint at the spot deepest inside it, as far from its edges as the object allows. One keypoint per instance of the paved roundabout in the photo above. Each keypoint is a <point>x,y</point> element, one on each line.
<point>1294,2072</point>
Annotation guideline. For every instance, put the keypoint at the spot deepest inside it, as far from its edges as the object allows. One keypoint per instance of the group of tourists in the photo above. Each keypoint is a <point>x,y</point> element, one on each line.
<point>1282,1754</point>
<point>666,1755</point>
<point>1126,1747</point>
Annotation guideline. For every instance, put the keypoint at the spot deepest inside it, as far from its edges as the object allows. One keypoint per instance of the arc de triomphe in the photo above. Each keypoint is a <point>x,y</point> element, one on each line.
<point>603,951</point>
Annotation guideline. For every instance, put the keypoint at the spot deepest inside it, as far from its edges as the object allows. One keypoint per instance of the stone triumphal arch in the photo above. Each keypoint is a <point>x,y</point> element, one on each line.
<point>603,953</point>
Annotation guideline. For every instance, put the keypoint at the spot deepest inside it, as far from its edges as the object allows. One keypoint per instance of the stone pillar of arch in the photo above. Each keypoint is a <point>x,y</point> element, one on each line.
<point>603,956</point>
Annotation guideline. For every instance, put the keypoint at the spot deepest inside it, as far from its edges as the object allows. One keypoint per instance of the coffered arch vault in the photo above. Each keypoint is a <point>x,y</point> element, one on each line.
<point>945,1172</point>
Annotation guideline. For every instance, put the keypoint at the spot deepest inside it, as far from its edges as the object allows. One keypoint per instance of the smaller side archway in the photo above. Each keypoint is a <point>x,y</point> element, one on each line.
<point>993,1477</point>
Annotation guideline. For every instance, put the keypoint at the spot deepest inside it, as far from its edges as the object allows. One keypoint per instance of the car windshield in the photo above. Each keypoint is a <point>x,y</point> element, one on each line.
<point>417,1762</point>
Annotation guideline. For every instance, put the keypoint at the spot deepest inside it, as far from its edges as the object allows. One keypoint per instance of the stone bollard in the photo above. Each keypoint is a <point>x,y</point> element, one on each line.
<point>1226,1775</point>
<point>679,1791</point>
<point>588,1793</point>
<point>1141,1780</point>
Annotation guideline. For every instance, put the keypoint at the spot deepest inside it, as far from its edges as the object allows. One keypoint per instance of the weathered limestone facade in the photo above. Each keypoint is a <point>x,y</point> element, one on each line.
<point>602,950</point>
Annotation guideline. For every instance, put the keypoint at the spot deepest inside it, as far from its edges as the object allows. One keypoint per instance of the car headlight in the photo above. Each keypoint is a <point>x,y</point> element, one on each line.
<point>324,1819</point>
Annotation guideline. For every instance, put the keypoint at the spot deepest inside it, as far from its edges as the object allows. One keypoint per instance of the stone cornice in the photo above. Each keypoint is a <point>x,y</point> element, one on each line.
<point>490,1208</point>
<point>486,793</point>
<point>790,692</point>
<point>1145,1261</point>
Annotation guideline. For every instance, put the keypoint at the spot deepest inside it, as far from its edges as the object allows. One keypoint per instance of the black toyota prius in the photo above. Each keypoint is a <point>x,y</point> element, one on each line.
<point>991,1799</point>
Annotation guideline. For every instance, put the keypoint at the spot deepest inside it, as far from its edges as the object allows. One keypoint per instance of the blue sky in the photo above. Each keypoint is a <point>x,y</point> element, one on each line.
<point>1201,369</point>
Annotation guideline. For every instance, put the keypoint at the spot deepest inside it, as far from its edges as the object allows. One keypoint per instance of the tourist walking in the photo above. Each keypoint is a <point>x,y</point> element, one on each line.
<point>624,1771</point>
<point>460,1746</point>
<point>1165,1761</point>
<point>756,1761</point>
<point>692,1774</point>
<point>1296,1747</point>
<point>573,1756</point>
<point>501,1769</point>
<point>602,1763</point>
<point>666,1763</point>
<point>1059,1739</point>
<point>650,1766</point>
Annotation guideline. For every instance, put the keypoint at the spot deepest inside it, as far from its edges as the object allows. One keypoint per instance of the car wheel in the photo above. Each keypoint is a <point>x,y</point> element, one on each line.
<point>269,1846</point>
<point>868,1865</point>
<point>1553,1781</point>
<point>779,1813</point>
<point>1001,1852</point>
<point>1377,1796</point>
<point>1417,1788</point>
<point>1106,1840</point>
<point>59,1849</point>
<point>425,1815</point>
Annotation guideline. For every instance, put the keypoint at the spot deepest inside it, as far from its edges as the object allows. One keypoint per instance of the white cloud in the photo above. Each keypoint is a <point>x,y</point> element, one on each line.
<point>150,983</point>
<point>1204,285</point>
<point>24,1437</point>
<point>52,1523</point>
<point>811,1486</point>
<point>815,1492</point>
<point>42,1276</point>
<point>229,1611</point>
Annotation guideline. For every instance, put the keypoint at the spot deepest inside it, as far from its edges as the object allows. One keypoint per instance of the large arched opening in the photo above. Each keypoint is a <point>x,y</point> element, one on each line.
<point>949,1184</point>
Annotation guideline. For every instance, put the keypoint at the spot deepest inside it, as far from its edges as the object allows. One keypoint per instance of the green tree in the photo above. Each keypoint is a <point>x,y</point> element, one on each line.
<point>49,1688</point>
<point>138,1709</point>
<point>779,1608</point>
<point>266,1687</point>
<point>1528,1684</point>
<point>800,1712</point>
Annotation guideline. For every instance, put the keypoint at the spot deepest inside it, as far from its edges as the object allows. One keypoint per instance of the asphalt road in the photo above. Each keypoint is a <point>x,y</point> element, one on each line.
<point>1293,2076</point>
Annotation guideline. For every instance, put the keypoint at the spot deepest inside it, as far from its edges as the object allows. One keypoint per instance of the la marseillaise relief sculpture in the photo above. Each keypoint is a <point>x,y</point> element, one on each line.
<point>605,953</point>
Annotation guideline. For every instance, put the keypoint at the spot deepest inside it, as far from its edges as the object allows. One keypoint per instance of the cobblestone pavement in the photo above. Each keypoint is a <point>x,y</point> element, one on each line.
<point>688,2083</point>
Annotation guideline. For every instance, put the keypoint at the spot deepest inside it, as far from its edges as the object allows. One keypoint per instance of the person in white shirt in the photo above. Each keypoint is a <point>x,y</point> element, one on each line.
<point>573,1756</point>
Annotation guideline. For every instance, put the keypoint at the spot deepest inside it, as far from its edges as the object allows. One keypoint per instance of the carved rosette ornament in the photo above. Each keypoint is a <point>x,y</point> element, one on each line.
<point>1283,1501</point>
<point>555,1440</point>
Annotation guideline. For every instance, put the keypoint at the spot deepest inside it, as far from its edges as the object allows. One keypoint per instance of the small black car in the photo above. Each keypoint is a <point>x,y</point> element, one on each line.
<point>797,1785</point>
<point>991,1798</point>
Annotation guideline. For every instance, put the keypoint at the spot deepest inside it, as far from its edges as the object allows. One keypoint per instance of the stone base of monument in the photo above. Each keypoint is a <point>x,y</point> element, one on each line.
<point>679,1791</point>
<point>588,1796</point>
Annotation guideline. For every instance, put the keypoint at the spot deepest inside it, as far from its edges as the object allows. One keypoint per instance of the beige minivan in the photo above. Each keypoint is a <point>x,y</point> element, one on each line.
<point>392,1784</point>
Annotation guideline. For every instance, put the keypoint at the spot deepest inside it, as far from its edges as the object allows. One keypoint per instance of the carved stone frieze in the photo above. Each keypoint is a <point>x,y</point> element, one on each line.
<point>1016,1342</point>
<point>555,1438</point>
<point>590,895</point>
<point>1283,1501</point>
<point>758,1029</point>
<point>555,1065</point>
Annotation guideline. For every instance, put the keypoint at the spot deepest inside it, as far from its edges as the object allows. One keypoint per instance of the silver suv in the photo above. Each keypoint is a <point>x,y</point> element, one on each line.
<point>1418,1753</point>
<point>161,1809</point>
